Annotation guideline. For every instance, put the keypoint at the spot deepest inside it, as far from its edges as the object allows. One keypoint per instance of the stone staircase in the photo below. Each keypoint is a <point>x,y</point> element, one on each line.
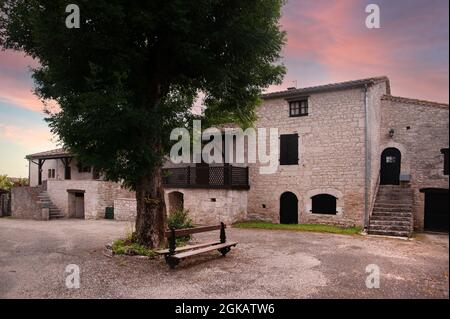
<point>392,213</point>
<point>44,200</point>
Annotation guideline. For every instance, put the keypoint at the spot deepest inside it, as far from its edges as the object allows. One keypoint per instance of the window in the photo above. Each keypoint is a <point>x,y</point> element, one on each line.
<point>445,152</point>
<point>289,149</point>
<point>51,173</point>
<point>323,204</point>
<point>83,169</point>
<point>298,108</point>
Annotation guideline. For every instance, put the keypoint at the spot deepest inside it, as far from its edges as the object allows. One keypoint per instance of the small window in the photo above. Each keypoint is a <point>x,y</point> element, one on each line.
<point>289,149</point>
<point>298,108</point>
<point>445,152</point>
<point>83,169</point>
<point>324,204</point>
<point>51,173</point>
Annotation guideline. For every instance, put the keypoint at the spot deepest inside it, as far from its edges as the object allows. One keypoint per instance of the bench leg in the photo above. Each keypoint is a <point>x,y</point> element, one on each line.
<point>224,251</point>
<point>172,262</point>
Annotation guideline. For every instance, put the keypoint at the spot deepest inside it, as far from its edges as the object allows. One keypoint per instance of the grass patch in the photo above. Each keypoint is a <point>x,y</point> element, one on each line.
<point>300,227</point>
<point>128,246</point>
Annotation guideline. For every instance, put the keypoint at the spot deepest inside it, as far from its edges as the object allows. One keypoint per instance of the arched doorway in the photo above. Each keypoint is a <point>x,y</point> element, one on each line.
<point>390,166</point>
<point>176,201</point>
<point>288,208</point>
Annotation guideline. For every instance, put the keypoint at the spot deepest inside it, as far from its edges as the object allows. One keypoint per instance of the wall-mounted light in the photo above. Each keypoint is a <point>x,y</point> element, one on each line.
<point>391,132</point>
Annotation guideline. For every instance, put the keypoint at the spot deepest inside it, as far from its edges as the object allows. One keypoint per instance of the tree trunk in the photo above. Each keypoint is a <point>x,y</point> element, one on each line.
<point>151,210</point>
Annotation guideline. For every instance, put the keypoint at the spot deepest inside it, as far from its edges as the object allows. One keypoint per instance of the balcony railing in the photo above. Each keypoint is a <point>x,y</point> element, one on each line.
<point>228,177</point>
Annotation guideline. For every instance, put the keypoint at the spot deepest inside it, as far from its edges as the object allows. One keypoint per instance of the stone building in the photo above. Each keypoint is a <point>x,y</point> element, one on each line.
<point>350,154</point>
<point>60,187</point>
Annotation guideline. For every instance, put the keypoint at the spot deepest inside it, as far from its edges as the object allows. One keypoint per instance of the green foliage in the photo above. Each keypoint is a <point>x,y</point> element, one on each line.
<point>132,71</point>
<point>179,219</point>
<point>21,181</point>
<point>128,246</point>
<point>5,182</point>
<point>300,227</point>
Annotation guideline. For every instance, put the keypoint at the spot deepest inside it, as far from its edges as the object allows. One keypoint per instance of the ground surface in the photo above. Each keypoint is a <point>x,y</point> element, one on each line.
<point>266,264</point>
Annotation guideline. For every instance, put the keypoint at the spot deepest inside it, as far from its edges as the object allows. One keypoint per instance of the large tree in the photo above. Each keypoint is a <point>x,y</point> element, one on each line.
<point>132,71</point>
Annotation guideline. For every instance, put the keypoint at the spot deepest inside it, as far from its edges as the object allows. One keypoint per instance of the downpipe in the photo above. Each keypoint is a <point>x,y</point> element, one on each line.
<point>366,163</point>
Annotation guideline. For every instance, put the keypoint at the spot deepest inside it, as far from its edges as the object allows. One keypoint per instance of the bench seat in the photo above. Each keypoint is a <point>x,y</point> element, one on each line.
<point>217,246</point>
<point>187,247</point>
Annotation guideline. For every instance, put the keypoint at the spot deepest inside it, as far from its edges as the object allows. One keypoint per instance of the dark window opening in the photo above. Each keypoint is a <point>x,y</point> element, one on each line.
<point>324,204</point>
<point>51,173</point>
<point>83,169</point>
<point>445,152</point>
<point>289,149</point>
<point>298,108</point>
<point>67,172</point>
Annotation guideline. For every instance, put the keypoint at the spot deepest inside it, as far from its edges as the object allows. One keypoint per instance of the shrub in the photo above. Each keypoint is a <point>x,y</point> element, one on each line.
<point>179,219</point>
<point>128,246</point>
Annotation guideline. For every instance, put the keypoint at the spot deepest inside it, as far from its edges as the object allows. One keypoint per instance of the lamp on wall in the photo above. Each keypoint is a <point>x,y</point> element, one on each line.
<point>391,132</point>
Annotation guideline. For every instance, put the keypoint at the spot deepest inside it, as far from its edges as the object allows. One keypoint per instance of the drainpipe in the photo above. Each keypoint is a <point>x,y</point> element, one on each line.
<point>367,159</point>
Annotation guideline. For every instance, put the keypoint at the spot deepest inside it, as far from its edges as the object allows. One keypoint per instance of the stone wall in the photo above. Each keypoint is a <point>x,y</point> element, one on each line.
<point>331,158</point>
<point>125,209</point>
<point>211,206</point>
<point>420,132</point>
<point>24,206</point>
<point>97,195</point>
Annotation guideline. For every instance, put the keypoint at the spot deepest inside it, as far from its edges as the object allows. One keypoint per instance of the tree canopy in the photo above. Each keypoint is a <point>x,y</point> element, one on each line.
<point>132,71</point>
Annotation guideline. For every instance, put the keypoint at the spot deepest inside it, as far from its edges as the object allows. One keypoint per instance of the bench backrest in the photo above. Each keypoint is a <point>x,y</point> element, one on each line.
<point>190,231</point>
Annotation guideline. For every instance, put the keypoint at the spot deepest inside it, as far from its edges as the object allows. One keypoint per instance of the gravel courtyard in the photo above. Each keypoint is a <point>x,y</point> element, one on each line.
<point>265,264</point>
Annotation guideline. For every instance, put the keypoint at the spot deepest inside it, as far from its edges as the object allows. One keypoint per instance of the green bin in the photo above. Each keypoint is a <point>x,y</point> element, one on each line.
<point>109,213</point>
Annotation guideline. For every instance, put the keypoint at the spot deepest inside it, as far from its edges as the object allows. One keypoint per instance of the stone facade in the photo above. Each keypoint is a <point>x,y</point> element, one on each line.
<point>210,206</point>
<point>421,130</point>
<point>335,138</point>
<point>125,209</point>
<point>331,158</point>
<point>97,195</point>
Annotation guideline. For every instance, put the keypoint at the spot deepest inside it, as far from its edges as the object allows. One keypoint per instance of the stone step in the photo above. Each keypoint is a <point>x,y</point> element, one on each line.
<point>389,227</point>
<point>394,196</point>
<point>390,233</point>
<point>392,213</point>
<point>392,218</point>
<point>375,222</point>
<point>392,209</point>
<point>56,216</point>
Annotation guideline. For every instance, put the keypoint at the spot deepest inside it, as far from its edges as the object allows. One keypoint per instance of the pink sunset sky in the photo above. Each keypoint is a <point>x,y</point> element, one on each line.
<point>327,41</point>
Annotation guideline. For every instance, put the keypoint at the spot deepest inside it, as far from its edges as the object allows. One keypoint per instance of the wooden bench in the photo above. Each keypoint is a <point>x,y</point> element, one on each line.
<point>174,255</point>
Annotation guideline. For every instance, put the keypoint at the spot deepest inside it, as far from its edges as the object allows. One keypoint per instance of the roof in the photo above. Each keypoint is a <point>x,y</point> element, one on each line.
<point>329,87</point>
<point>413,101</point>
<point>56,153</point>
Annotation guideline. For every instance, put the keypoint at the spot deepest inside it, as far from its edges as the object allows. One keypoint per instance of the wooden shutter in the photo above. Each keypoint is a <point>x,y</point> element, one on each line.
<point>289,149</point>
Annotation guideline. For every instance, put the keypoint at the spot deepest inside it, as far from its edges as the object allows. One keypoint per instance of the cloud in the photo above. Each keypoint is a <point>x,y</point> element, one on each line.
<point>330,36</point>
<point>32,138</point>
